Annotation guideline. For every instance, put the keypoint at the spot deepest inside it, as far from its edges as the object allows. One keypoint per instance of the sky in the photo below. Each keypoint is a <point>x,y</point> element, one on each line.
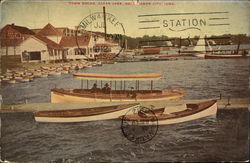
<point>174,19</point>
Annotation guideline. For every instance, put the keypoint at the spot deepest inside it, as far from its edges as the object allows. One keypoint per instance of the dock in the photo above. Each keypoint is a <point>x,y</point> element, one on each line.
<point>233,103</point>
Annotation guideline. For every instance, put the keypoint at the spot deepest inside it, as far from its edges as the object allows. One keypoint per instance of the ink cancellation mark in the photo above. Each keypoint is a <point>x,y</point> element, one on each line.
<point>139,125</point>
<point>104,32</point>
<point>183,21</point>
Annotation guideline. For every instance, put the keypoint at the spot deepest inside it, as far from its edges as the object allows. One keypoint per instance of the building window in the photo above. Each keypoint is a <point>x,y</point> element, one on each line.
<point>18,35</point>
<point>80,51</point>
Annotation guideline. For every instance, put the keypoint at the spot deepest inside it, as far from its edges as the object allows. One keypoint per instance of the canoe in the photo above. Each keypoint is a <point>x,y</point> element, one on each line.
<point>37,75</point>
<point>45,68</point>
<point>55,73</point>
<point>191,112</point>
<point>5,80</point>
<point>25,80</point>
<point>44,75</point>
<point>11,81</point>
<point>85,114</point>
<point>64,72</point>
<point>18,78</point>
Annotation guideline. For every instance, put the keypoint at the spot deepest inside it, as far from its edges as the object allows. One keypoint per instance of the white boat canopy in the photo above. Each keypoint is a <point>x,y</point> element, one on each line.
<point>91,76</point>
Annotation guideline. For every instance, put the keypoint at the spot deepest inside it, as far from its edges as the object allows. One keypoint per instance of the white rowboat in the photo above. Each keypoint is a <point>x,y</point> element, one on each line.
<point>192,112</point>
<point>85,114</point>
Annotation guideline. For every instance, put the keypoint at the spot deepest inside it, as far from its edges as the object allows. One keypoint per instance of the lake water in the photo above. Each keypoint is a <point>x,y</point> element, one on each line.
<point>201,79</point>
<point>224,138</point>
<point>221,138</point>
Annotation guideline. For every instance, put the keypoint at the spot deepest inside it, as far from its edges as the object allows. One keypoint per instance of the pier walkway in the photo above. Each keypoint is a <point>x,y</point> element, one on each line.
<point>233,103</point>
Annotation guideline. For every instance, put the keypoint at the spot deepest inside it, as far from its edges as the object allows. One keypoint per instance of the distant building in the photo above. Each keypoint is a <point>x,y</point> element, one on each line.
<point>40,48</point>
<point>51,33</point>
<point>51,44</point>
<point>76,48</point>
<point>23,42</point>
<point>11,38</point>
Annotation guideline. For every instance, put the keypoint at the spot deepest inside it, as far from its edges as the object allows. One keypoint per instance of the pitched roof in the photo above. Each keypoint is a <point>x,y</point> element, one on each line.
<point>20,29</point>
<point>11,42</point>
<point>50,30</point>
<point>14,41</point>
<point>36,30</point>
<point>72,41</point>
<point>49,42</point>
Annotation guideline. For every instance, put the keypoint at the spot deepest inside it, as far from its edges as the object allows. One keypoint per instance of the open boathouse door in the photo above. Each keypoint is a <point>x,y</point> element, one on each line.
<point>35,55</point>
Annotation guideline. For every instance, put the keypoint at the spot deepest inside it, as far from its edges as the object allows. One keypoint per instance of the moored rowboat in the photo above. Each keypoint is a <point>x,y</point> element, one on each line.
<point>226,56</point>
<point>85,114</point>
<point>55,73</point>
<point>11,81</point>
<point>25,80</point>
<point>192,112</point>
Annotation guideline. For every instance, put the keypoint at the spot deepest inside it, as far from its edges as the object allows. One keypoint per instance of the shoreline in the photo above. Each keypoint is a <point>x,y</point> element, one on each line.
<point>234,103</point>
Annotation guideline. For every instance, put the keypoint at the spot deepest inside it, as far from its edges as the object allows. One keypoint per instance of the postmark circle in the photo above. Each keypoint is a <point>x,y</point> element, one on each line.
<point>105,38</point>
<point>139,125</point>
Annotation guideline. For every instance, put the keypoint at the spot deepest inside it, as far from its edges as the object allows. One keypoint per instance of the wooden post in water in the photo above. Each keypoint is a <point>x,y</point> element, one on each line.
<point>105,24</point>
<point>138,85</point>
<point>151,85</point>
<point>238,48</point>
<point>180,47</point>
<point>228,101</point>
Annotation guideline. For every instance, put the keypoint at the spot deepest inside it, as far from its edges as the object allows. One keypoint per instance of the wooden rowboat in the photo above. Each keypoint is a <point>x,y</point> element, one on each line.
<point>192,112</point>
<point>85,114</point>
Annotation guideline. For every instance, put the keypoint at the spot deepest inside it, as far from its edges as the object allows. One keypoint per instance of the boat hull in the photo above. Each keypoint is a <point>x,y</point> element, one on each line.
<point>105,116</point>
<point>207,56</point>
<point>192,112</point>
<point>205,113</point>
<point>171,55</point>
<point>58,97</point>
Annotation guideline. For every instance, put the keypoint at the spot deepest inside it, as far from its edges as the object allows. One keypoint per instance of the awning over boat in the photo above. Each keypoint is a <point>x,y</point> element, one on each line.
<point>91,76</point>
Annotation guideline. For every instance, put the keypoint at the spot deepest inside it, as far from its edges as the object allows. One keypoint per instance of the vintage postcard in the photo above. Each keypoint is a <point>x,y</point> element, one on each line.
<point>124,81</point>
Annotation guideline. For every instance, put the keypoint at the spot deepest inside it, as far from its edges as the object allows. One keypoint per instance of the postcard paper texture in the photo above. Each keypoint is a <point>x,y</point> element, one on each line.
<point>124,81</point>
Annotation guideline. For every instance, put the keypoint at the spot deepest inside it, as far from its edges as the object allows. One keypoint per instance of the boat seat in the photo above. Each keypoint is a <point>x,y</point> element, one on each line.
<point>175,108</point>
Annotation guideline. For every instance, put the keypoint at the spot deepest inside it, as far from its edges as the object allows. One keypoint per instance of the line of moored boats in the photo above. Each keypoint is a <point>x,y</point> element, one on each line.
<point>27,75</point>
